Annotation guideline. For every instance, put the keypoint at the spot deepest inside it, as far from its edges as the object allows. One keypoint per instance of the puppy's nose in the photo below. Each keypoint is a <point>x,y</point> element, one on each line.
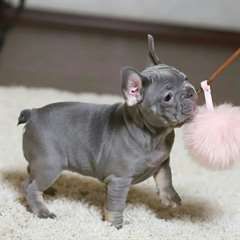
<point>190,92</point>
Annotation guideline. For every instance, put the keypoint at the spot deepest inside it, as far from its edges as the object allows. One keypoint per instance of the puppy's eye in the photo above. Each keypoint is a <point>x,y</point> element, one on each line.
<point>168,97</point>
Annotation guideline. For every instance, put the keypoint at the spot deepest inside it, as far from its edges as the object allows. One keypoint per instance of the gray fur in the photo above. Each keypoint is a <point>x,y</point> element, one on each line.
<point>119,144</point>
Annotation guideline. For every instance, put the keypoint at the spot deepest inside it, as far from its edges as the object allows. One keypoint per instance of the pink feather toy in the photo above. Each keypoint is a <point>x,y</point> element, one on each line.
<point>213,135</point>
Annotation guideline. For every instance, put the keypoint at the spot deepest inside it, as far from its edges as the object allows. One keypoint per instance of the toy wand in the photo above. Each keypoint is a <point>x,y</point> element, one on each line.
<point>219,70</point>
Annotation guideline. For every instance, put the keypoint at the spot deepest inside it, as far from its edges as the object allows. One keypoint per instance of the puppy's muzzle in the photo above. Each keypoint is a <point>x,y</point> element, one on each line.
<point>189,100</point>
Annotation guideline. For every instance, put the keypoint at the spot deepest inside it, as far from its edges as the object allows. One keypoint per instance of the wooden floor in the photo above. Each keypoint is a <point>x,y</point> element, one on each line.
<point>90,61</point>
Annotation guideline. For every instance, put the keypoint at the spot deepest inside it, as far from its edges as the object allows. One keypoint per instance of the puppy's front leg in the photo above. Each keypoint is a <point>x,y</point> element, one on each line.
<point>117,191</point>
<point>166,191</point>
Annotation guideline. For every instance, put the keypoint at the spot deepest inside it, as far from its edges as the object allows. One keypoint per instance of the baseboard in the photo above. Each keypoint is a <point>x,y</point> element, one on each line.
<point>74,22</point>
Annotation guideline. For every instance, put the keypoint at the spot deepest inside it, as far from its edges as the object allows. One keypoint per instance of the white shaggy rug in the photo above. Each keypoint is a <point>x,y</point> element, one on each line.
<point>211,200</point>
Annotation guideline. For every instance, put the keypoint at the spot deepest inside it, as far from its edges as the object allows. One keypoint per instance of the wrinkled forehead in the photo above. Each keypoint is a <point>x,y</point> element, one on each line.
<point>164,75</point>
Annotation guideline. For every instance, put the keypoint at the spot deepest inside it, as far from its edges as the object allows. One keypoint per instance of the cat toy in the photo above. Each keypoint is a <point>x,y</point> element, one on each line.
<point>213,136</point>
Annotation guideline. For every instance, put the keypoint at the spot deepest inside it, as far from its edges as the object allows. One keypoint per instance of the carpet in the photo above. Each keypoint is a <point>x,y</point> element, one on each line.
<point>210,208</point>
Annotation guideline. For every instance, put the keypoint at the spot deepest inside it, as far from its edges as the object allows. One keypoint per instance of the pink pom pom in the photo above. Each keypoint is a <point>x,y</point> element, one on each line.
<point>213,137</point>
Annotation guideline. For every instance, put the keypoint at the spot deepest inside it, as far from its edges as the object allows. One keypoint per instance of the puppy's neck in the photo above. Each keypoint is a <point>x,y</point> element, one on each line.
<point>135,116</point>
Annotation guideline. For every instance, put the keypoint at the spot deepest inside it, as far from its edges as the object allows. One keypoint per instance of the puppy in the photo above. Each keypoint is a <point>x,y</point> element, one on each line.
<point>120,144</point>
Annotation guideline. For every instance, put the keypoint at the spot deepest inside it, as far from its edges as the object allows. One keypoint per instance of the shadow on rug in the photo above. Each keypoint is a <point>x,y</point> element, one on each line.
<point>88,190</point>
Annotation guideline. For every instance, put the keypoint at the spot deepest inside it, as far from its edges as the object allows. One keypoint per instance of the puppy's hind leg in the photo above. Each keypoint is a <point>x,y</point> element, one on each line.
<point>51,191</point>
<point>34,188</point>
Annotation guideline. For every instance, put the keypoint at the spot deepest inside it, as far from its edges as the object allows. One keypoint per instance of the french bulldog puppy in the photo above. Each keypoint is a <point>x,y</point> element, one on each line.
<point>120,144</point>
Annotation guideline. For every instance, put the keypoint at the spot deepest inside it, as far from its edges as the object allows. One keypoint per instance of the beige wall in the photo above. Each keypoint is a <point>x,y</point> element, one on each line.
<point>88,61</point>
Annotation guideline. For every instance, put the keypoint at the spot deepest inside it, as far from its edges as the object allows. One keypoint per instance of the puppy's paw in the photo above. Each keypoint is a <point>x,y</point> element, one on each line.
<point>45,213</point>
<point>114,218</point>
<point>170,198</point>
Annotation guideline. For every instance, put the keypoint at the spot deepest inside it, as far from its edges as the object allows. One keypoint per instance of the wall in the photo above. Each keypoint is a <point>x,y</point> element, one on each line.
<point>220,14</point>
<point>90,61</point>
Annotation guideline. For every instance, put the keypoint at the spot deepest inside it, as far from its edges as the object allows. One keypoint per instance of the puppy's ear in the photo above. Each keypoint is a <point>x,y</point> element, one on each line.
<point>132,86</point>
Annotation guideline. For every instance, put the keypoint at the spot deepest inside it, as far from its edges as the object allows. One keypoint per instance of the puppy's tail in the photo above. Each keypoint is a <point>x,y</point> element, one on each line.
<point>24,116</point>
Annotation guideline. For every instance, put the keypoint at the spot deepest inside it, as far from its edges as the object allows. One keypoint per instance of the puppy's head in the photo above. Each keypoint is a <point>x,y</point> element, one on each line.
<point>164,95</point>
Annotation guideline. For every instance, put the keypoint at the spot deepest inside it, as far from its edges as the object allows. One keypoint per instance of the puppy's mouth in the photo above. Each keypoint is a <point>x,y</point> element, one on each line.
<point>181,123</point>
<point>187,114</point>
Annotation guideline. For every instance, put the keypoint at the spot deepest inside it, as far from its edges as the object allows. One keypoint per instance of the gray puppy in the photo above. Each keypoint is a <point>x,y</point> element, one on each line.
<point>119,144</point>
